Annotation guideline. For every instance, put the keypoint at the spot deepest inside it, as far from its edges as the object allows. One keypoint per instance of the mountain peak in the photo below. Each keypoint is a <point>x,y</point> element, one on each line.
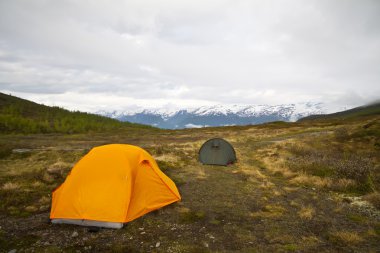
<point>219,115</point>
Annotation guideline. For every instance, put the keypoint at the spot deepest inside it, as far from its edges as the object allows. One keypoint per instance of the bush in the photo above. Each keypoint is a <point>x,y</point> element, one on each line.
<point>333,164</point>
<point>354,167</point>
<point>374,199</point>
<point>341,134</point>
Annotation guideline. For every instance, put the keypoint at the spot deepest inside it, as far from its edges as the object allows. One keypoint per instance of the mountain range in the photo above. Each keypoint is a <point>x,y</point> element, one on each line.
<point>218,115</point>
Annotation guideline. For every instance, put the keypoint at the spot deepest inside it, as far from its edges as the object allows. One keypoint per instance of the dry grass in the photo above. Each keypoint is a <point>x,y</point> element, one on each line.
<point>310,240</point>
<point>31,209</point>
<point>269,211</point>
<point>374,199</point>
<point>265,185</point>
<point>10,186</point>
<point>306,213</point>
<point>343,184</point>
<point>59,168</point>
<point>290,189</point>
<point>169,158</point>
<point>346,237</point>
<point>308,180</point>
<point>305,179</point>
<point>250,172</point>
<point>258,197</point>
<point>201,174</point>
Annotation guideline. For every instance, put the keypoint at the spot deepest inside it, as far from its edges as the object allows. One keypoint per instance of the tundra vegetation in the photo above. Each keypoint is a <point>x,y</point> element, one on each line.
<point>311,186</point>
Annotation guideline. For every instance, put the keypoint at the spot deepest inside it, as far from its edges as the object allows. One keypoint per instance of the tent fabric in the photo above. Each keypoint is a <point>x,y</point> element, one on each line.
<point>113,183</point>
<point>88,223</point>
<point>217,151</point>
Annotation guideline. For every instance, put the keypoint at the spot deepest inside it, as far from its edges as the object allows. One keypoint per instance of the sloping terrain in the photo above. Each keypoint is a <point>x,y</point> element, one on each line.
<point>297,187</point>
<point>354,113</point>
<point>22,116</point>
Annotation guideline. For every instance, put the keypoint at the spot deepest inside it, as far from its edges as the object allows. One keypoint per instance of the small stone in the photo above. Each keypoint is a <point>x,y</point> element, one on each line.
<point>173,229</point>
<point>74,234</point>
<point>141,228</point>
<point>158,244</point>
<point>205,244</point>
<point>142,233</point>
<point>12,251</point>
<point>46,243</point>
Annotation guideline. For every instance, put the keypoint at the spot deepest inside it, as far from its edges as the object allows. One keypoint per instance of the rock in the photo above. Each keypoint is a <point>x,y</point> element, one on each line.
<point>142,233</point>
<point>12,251</point>
<point>158,244</point>
<point>141,228</point>
<point>74,234</point>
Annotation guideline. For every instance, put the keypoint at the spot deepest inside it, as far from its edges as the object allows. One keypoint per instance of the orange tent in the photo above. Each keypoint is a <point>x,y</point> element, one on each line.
<point>111,185</point>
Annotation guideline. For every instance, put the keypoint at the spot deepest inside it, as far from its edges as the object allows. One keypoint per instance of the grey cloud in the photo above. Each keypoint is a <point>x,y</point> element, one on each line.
<point>218,51</point>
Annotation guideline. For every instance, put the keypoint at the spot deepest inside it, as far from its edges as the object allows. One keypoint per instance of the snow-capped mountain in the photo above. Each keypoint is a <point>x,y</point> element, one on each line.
<point>218,115</point>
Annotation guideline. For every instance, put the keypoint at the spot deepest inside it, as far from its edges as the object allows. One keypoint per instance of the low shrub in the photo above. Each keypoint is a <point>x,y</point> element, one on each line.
<point>341,134</point>
<point>334,165</point>
<point>374,199</point>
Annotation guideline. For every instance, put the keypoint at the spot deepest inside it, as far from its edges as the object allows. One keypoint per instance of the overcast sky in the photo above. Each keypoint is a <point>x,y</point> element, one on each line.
<point>104,55</point>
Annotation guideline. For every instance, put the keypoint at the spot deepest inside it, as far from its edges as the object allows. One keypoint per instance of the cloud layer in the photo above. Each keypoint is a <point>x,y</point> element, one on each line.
<point>125,54</point>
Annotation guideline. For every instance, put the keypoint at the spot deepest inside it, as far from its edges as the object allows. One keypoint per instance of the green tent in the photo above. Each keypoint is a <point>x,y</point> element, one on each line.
<point>217,152</point>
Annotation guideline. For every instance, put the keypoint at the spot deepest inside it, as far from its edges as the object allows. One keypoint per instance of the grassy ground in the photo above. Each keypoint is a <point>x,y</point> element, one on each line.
<point>295,188</point>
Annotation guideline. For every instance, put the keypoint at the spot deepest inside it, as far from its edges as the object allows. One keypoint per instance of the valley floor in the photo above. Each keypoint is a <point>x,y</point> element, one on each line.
<point>285,193</point>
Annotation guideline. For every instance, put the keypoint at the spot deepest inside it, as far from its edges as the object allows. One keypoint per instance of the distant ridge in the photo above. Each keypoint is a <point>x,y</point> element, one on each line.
<point>218,115</point>
<point>361,111</point>
<point>23,116</point>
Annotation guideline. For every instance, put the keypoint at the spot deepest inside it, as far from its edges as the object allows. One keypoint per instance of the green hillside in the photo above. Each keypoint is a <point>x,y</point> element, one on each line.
<point>312,186</point>
<point>22,116</point>
<point>362,111</point>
